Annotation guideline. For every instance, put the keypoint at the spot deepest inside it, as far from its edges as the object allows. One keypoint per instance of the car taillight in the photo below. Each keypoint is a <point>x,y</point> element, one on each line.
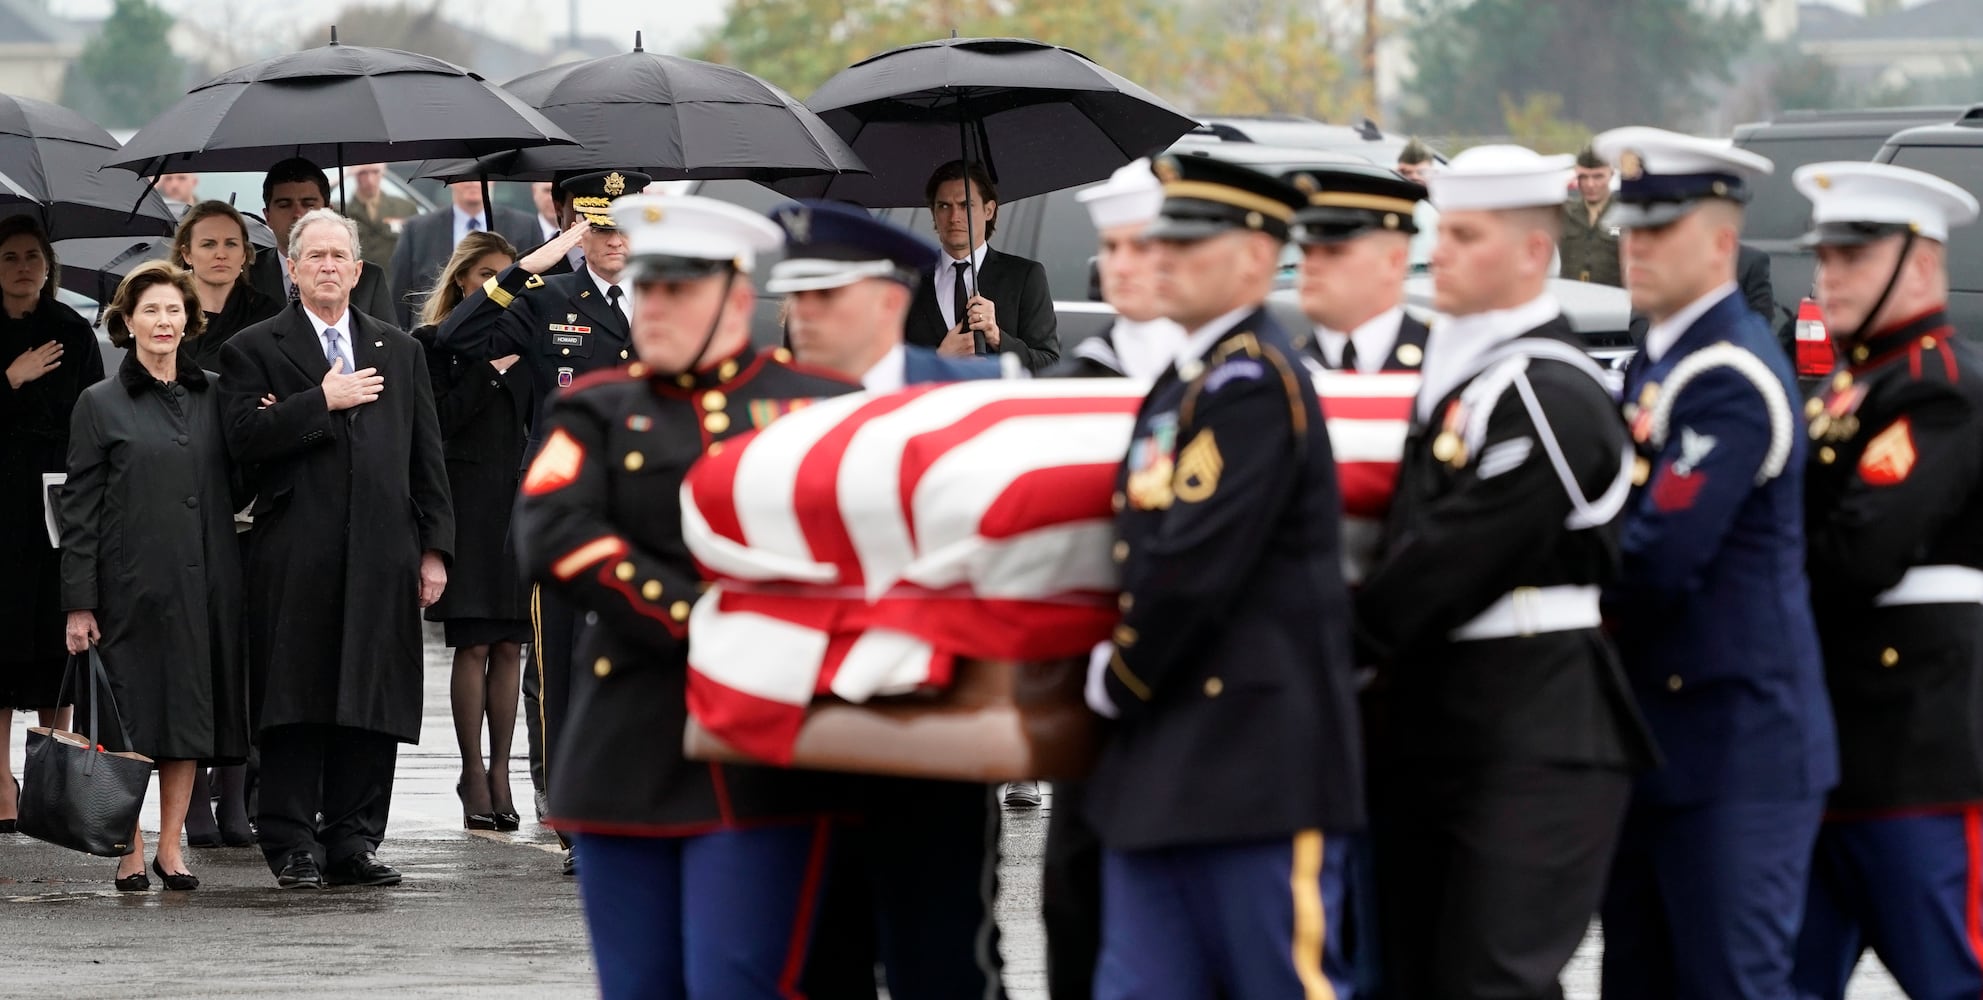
<point>1814,343</point>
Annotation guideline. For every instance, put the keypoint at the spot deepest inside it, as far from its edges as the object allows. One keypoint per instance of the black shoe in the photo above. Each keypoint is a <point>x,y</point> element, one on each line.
<point>181,882</point>
<point>133,883</point>
<point>12,824</point>
<point>571,862</point>
<point>473,821</point>
<point>363,868</point>
<point>299,871</point>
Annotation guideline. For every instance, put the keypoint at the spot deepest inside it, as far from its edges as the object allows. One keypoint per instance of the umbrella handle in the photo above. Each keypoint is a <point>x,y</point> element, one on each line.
<point>978,342</point>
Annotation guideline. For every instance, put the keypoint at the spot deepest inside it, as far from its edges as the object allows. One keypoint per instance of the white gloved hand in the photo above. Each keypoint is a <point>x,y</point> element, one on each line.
<point>1097,690</point>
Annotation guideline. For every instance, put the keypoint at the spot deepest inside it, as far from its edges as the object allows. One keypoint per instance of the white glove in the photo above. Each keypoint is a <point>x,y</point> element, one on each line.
<point>1097,690</point>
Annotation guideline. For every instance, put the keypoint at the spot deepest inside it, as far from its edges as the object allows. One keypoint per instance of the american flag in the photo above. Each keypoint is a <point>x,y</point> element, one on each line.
<point>859,546</point>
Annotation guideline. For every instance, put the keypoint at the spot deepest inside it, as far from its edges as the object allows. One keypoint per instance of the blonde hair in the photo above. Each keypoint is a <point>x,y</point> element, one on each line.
<point>142,278</point>
<point>446,293</point>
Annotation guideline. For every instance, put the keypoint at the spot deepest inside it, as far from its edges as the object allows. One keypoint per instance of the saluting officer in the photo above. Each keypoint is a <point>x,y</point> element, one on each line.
<point>1513,737</point>
<point>697,879</point>
<point>1711,612</point>
<point>560,328</point>
<point>1894,514</point>
<point>1355,236</point>
<point>1222,792</point>
<point>1142,342</point>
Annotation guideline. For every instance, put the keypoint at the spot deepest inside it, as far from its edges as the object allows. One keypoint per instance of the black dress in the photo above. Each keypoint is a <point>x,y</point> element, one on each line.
<point>34,438</point>
<point>148,545</point>
<point>483,414</point>
<point>245,307</point>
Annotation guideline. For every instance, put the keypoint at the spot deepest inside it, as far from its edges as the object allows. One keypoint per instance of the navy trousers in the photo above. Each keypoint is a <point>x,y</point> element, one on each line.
<point>1911,889</point>
<point>1705,900</point>
<point>1233,920</point>
<point>722,916</point>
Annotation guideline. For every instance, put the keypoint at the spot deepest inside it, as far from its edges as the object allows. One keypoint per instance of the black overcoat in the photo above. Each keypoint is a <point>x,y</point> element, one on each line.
<point>245,307</point>
<point>484,416</point>
<point>345,504</point>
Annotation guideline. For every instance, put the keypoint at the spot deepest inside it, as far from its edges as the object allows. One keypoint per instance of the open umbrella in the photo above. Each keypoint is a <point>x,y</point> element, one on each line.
<point>336,104</point>
<point>49,168</point>
<point>1037,116</point>
<point>94,266</point>
<point>669,117</point>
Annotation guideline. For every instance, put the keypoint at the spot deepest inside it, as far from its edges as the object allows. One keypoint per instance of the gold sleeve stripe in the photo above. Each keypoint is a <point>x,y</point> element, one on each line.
<point>589,554</point>
<point>1131,681</point>
<point>498,294</point>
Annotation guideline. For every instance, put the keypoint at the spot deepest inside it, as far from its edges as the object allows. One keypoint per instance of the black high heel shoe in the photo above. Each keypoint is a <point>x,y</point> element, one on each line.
<point>176,883</point>
<point>506,819</point>
<point>473,821</point>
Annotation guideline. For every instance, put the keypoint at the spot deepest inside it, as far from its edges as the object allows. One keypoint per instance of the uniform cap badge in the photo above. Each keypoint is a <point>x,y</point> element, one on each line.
<point>615,184</point>
<point>1631,165</point>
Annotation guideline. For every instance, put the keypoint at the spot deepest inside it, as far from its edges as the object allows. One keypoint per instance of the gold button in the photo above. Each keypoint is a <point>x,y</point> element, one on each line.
<point>651,590</point>
<point>566,351</point>
<point>715,448</point>
<point>727,371</point>
<point>1813,406</point>
<point>624,571</point>
<point>1674,683</point>
<point>601,667</point>
<point>1827,456</point>
<point>1121,552</point>
<point>634,461</point>
<point>781,355</point>
<point>1213,687</point>
<point>714,400</point>
<point>1125,636</point>
<point>1125,602</point>
<point>716,423</point>
<point>685,381</point>
<point>1859,353</point>
<point>1117,502</point>
<point>679,611</point>
<point>1928,342</point>
<point>1841,381</point>
<point>1889,657</point>
<point>1641,471</point>
<point>637,370</point>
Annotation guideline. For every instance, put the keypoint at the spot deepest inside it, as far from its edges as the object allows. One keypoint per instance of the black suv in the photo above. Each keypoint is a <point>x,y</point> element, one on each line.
<point>1953,152</point>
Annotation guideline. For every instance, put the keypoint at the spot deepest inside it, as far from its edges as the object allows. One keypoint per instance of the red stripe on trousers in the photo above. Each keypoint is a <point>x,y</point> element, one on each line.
<point>1972,830</point>
<point>809,888</point>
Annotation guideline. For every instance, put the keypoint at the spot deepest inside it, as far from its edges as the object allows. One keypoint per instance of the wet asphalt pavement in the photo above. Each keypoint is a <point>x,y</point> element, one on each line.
<point>480,914</point>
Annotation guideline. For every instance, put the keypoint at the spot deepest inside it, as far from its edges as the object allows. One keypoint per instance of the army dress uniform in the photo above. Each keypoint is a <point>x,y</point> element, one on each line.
<point>693,874</point>
<point>1233,769</point>
<point>1894,515</point>
<point>1712,618</point>
<point>1512,735</point>
<point>1348,203</point>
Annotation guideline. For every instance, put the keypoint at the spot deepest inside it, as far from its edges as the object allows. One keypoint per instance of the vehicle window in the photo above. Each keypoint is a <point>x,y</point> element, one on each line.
<point>750,195</point>
<point>1964,166</point>
<point>1067,240</point>
<point>1777,211</point>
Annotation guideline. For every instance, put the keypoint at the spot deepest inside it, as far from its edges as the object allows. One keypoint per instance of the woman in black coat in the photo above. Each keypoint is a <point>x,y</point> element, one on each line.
<point>51,357</point>
<point>212,245</point>
<point>151,570</point>
<point>485,610</point>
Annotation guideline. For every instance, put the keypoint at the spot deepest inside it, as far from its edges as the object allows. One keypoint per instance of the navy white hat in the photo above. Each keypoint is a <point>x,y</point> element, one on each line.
<point>1663,175</point>
<point>1204,197</point>
<point>591,193</point>
<point>1854,203</point>
<point>1131,196</point>
<point>674,237</point>
<point>1496,177</point>
<point>1347,201</point>
<point>829,244</point>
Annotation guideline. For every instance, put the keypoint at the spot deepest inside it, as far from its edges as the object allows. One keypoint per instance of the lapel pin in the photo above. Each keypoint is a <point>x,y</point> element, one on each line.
<point>378,343</point>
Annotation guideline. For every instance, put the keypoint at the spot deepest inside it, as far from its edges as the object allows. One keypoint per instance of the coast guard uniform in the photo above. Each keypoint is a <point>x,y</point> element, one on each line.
<point>1712,618</point>
<point>1894,514</point>
<point>697,879</point>
<point>1233,768</point>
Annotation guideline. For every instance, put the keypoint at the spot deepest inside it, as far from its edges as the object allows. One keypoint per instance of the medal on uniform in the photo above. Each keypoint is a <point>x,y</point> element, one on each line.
<point>1449,447</point>
<point>564,377</point>
<point>1641,413</point>
<point>1152,466</point>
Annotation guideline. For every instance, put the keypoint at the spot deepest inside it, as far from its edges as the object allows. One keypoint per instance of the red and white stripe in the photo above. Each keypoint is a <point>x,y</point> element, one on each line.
<point>1368,417</point>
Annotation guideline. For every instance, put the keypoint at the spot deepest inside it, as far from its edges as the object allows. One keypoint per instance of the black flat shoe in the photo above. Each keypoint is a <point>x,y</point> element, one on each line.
<point>299,871</point>
<point>363,868</point>
<point>176,882</point>
<point>134,883</point>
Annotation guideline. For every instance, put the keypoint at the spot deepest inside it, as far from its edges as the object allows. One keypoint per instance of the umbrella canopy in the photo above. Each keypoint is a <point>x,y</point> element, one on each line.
<point>1039,117</point>
<point>50,160</point>
<point>669,117</point>
<point>334,105</point>
<point>94,266</point>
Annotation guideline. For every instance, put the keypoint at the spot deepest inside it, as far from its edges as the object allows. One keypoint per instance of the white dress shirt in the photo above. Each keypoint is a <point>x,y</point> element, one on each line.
<point>626,293</point>
<point>1144,349</point>
<point>946,281</point>
<point>546,228</point>
<point>1374,341</point>
<point>344,338</point>
<point>890,374</point>
<point>461,229</point>
<point>1456,344</point>
<point>1661,337</point>
<point>1201,340</point>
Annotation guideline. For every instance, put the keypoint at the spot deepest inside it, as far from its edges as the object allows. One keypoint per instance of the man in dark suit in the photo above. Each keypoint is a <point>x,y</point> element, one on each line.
<point>290,189</point>
<point>1355,238</point>
<point>979,301</point>
<point>909,883</point>
<point>1233,769</point>
<point>560,327</point>
<point>334,413</point>
<point>428,240</point>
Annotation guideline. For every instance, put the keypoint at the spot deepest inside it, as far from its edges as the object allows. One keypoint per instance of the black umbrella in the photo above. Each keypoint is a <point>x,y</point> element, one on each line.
<point>669,117</point>
<point>1039,117</point>
<point>49,168</point>
<point>336,104</point>
<point>94,266</point>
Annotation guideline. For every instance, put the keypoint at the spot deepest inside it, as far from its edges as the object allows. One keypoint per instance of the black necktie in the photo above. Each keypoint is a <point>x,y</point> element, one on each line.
<point>1349,355</point>
<point>960,299</point>
<point>613,297</point>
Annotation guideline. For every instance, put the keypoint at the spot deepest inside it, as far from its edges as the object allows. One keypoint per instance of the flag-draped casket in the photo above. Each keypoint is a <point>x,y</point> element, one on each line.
<point>950,539</point>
